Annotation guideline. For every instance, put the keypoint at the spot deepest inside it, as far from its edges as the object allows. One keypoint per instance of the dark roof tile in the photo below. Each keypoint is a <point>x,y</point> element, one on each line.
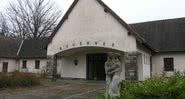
<point>163,35</point>
<point>34,48</point>
<point>9,47</point>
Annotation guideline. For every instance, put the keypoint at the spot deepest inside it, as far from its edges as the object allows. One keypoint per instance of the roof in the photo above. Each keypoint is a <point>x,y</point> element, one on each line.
<point>107,10</point>
<point>17,48</point>
<point>34,48</point>
<point>9,47</point>
<point>164,35</point>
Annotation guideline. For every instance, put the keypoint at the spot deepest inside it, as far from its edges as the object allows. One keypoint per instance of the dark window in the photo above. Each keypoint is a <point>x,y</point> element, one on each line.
<point>24,64</point>
<point>37,64</point>
<point>5,66</point>
<point>168,64</point>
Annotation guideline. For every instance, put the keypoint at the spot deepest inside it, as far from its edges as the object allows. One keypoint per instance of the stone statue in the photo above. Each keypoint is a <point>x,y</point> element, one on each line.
<point>113,70</point>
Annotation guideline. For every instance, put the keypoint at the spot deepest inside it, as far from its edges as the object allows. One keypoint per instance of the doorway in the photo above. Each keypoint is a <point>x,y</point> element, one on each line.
<point>5,67</point>
<point>95,66</point>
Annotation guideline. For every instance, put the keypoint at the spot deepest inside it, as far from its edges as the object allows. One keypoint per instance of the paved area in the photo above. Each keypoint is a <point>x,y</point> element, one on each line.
<point>63,89</point>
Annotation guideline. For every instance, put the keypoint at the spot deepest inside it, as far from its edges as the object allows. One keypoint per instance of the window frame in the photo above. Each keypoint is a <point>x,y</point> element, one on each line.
<point>144,58</point>
<point>5,67</point>
<point>37,64</point>
<point>24,64</point>
<point>171,62</point>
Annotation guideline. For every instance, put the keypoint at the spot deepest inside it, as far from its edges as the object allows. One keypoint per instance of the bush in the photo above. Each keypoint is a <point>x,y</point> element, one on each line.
<point>155,88</point>
<point>17,79</point>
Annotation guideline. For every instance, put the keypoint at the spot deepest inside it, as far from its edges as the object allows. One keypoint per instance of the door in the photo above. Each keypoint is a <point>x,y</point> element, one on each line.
<point>95,66</point>
<point>5,67</point>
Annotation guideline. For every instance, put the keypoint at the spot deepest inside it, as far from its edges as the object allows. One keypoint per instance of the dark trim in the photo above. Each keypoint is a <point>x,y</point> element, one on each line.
<point>68,78</point>
<point>6,57</point>
<point>32,58</point>
<point>63,20</point>
<point>87,67</point>
<point>149,47</point>
<point>151,67</point>
<point>153,51</point>
<point>26,57</point>
<point>171,52</point>
<point>23,57</point>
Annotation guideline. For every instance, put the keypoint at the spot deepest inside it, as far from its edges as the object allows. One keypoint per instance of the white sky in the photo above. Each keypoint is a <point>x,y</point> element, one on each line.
<point>133,11</point>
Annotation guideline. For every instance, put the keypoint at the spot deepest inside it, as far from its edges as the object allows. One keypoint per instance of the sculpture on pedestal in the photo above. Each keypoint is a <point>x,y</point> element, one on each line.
<point>113,70</point>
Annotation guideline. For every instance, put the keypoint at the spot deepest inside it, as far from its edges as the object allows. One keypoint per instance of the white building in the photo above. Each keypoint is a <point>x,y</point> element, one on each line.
<point>78,48</point>
<point>23,55</point>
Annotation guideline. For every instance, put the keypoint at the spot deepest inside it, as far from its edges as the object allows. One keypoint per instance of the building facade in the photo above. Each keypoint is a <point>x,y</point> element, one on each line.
<point>89,30</point>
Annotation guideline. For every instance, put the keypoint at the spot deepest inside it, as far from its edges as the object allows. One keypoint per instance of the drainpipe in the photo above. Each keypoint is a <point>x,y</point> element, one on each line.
<point>18,63</point>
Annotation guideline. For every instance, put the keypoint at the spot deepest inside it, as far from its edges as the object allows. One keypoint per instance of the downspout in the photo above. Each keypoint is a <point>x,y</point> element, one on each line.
<point>18,64</point>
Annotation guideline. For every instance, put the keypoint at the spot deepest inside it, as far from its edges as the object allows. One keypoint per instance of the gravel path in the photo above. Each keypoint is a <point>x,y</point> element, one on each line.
<point>62,89</point>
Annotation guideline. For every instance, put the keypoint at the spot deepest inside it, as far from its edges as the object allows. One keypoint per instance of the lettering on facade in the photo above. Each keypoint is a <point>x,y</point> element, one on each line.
<point>96,43</point>
<point>113,44</point>
<point>103,43</point>
<point>88,43</point>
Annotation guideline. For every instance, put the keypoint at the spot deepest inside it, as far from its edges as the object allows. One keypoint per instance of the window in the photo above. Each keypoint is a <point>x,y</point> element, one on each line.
<point>148,60</point>
<point>24,64</point>
<point>144,59</point>
<point>37,64</point>
<point>168,64</point>
<point>5,67</point>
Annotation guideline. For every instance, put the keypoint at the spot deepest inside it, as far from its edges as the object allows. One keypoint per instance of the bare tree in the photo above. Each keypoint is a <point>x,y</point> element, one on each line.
<point>32,18</point>
<point>4,30</point>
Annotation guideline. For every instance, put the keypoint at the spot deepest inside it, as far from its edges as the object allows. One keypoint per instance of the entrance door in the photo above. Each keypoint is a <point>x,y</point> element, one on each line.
<point>95,66</point>
<point>5,67</point>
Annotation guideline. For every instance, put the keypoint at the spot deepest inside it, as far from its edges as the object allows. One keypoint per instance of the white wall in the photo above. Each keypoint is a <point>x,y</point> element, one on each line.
<point>143,63</point>
<point>89,23</point>
<point>12,64</point>
<point>66,67</point>
<point>69,70</point>
<point>31,65</point>
<point>123,67</point>
<point>158,63</point>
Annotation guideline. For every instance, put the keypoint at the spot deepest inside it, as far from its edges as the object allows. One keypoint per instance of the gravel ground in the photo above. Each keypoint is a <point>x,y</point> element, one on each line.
<point>61,89</point>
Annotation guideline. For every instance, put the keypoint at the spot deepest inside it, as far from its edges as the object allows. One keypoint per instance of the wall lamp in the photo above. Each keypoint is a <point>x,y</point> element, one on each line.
<point>75,62</point>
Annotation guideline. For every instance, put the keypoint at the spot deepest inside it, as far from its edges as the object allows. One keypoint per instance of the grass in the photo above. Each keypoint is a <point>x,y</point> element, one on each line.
<point>154,88</point>
<point>17,79</point>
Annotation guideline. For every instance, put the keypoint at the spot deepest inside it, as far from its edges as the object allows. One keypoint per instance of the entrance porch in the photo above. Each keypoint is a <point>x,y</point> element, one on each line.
<point>88,63</point>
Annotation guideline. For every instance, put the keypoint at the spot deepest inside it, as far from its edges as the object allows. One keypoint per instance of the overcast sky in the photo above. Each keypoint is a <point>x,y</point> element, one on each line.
<point>133,11</point>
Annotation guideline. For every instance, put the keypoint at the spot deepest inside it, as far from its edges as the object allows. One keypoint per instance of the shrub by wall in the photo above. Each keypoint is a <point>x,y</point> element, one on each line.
<point>17,79</point>
<point>154,88</point>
